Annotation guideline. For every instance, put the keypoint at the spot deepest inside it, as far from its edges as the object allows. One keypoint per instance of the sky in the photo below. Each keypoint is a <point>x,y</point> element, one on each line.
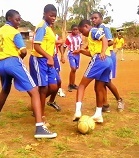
<point>32,10</point>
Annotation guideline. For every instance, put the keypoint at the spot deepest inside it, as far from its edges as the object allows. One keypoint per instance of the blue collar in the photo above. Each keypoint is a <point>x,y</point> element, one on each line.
<point>9,23</point>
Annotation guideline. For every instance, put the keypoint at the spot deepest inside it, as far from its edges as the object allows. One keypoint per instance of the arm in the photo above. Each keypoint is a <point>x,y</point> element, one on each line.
<point>19,42</point>
<point>104,48</point>
<point>37,45</point>
<point>62,54</point>
<point>82,51</point>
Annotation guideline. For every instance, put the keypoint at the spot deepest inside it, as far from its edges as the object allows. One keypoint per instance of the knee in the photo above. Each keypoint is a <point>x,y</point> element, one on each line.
<point>53,88</point>
<point>73,70</point>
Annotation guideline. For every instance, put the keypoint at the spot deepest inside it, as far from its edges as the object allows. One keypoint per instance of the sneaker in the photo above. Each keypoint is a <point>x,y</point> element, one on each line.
<point>70,87</point>
<point>97,119</point>
<point>74,86</point>
<point>106,108</point>
<point>43,132</point>
<point>77,115</point>
<point>54,105</point>
<point>120,106</point>
<point>61,93</point>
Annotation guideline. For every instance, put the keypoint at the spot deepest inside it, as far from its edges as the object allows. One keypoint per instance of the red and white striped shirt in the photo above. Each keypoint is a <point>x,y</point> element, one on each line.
<point>73,42</point>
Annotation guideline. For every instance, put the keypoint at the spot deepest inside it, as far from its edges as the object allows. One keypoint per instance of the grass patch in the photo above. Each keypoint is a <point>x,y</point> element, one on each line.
<point>125,132</point>
<point>13,116</point>
<point>3,150</point>
<point>17,140</point>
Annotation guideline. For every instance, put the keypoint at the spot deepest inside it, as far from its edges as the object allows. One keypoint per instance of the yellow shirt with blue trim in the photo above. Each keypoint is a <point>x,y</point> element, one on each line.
<point>11,41</point>
<point>107,33</point>
<point>119,42</point>
<point>45,36</point>
<point>95,43</point>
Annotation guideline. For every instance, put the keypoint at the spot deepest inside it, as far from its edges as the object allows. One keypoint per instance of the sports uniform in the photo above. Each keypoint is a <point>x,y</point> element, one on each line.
<point>98,69</point>
<point>41,72</point>
<point>11,65</point>
<point>73,43</point>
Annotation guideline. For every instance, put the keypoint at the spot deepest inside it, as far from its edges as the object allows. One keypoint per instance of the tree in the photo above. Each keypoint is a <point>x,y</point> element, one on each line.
<point>83,8</point>
<point>138,10</point>
<point>62,14</point>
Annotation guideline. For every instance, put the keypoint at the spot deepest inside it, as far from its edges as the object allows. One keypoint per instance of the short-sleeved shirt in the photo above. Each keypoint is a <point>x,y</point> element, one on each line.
<point>73,42</point>
<point>11,41</point>
<point>107,33</point>
<point>94,40</point>
<point>44,36</point>
<point>119,42</point>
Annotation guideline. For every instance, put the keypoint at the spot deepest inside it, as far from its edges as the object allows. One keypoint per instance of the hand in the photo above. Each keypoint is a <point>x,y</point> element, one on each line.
<point>22,55</point>
<point>76,51</point>
<point>62,60</point>
<point>60,41</point>
<point>102,56</point>
<point>50,61</point>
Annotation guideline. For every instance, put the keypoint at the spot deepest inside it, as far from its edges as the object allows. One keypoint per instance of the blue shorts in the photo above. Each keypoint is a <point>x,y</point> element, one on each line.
<point>113,57</point>
<point>13,68</point>
<point>99,69</point>
<point>42,74</point>
<point>74,60</point>
<point>57,63</point>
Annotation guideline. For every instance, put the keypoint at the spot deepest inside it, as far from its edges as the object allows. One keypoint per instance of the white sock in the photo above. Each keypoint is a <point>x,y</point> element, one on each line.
<point>39,124</point>
<point>98,112</point>
<point>60,89</point>
<point>78,106</point>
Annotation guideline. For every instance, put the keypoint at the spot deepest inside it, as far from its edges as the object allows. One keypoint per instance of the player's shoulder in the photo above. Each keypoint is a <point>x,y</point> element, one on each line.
<point>42,24</point>
<point>104,26</point>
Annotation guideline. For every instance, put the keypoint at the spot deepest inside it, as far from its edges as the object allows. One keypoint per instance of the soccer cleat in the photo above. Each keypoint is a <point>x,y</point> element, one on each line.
<point>98,119</point>
<point>120,106</point>
<point>106,108</point>
<point>61,93</point>
<point>43,132</point>
<point>54,105</point>
<point>74,86</point>
<point>77,115</point>
<point>70,88</point>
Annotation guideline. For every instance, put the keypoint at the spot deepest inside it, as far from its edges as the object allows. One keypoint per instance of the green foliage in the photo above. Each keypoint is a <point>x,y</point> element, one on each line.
<point>2,21</point>
<point>22,24</point>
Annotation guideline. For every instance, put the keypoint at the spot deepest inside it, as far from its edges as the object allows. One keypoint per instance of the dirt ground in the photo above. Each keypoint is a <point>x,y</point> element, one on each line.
<point>118,137</point>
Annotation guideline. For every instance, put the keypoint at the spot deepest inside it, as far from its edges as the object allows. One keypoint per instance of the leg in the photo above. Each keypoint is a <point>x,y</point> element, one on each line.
<point>100,91</point>
<point>114,91</point>
<point>72,79</point>
<point>3,96</point>
<point>53,91</point>
<point>79,96</point>
<point>43,90</point>
<point>41,130</point>
<point>122,54</point>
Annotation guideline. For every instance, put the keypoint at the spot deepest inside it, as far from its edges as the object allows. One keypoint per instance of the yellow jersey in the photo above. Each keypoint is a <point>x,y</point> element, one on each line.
<point>45,36</point>
<point>119,42</point>
<point>7,46</point>
<point>95,43</point>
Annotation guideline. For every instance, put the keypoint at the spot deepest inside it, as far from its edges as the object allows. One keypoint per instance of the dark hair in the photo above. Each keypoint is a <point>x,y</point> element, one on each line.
<point>49,7</point>
<point>11,13</point>
<point>74,25</point>
<point>99,14</point>
<point>83,22</point>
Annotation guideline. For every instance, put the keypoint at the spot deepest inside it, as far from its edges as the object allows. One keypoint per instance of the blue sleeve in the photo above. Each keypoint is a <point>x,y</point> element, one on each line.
<point>107,33</point>
<point>97,34</point>
<point>39,34</point>
<point>18,41</point>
